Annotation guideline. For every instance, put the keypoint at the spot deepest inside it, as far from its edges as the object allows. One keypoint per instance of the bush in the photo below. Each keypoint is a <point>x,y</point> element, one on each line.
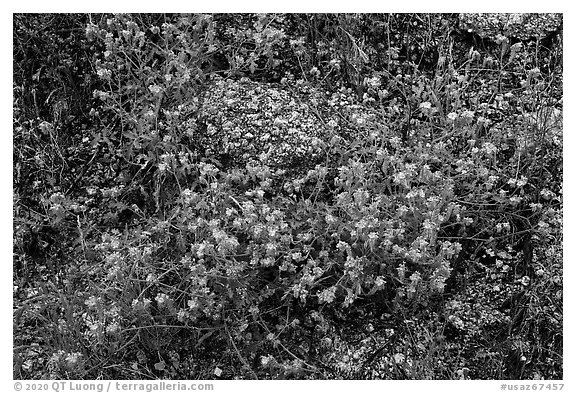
<point>247,204</point>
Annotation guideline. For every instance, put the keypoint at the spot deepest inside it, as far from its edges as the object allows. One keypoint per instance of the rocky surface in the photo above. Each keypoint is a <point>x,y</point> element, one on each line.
<point>248,120</point>
<point>522,26</point>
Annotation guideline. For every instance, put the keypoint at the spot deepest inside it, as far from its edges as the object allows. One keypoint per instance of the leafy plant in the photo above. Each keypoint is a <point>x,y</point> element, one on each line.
<point>286,196</point>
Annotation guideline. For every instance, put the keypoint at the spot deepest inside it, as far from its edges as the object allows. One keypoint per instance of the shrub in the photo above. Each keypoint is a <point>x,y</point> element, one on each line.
<point>238,212</point>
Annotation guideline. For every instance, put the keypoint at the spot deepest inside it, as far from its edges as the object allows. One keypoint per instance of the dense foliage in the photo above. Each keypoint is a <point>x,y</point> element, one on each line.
<point>288,196</point>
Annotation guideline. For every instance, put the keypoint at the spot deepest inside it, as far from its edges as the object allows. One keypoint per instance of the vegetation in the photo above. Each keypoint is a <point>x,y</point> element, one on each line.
<point>287,196</point>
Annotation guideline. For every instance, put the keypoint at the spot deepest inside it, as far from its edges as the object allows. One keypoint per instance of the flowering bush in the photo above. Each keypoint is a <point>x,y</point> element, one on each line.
<point>235,214</point>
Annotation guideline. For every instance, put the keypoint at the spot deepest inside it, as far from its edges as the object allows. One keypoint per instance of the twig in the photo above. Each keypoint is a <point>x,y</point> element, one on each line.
<point>374,354</point>
<point>242,359</point>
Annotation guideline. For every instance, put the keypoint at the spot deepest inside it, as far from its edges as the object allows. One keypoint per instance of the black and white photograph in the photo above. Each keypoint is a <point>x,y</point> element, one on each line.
<point>287,196</point>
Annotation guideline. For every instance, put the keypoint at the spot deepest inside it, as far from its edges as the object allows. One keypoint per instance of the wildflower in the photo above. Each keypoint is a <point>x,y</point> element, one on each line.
<point>113,328</point>
<point>272,231</point>
<point>396,142</point>
<point>327,295</point>
<point>500,39</point>
<point>162,299</point>
<point>57,198</point>
<point>330,219</point>
<point>73,358</point>
<point>359,119</point>
<point>401,271</point>
<point>415,279</point>
<point>373,82</point>
<point>522,182</point>
<point>140,305</point>
<point>266,360</point>
<point>91,31</point>
<point>482,121</point>
<point>399,178</point>
<point>456,322</point>
<point>516,47</point>
<point>398,358</point>
<point>491,181</point>
<point>326,342</point>
<point>380,154</point>
<point>92,302</point>
<point>414,193</point>
<point>534,72</point>
<point>271,249</point>
<point>335,63</point>
<point>182,315</point>
<point>502,227</point>
<point>467,114</point>
<point>463,373</point>
<point>475,55</point>
<point>168,27</point>
<point>193,304</point>
<point>547,194</point>
<point>207,169</point>
<point>149,115</point>
<point>379,282</point>
<point>483,172</point>
<point>341,246</point>
<point>155,89</point>
<point>104,73</point>
<point>151,278</point>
